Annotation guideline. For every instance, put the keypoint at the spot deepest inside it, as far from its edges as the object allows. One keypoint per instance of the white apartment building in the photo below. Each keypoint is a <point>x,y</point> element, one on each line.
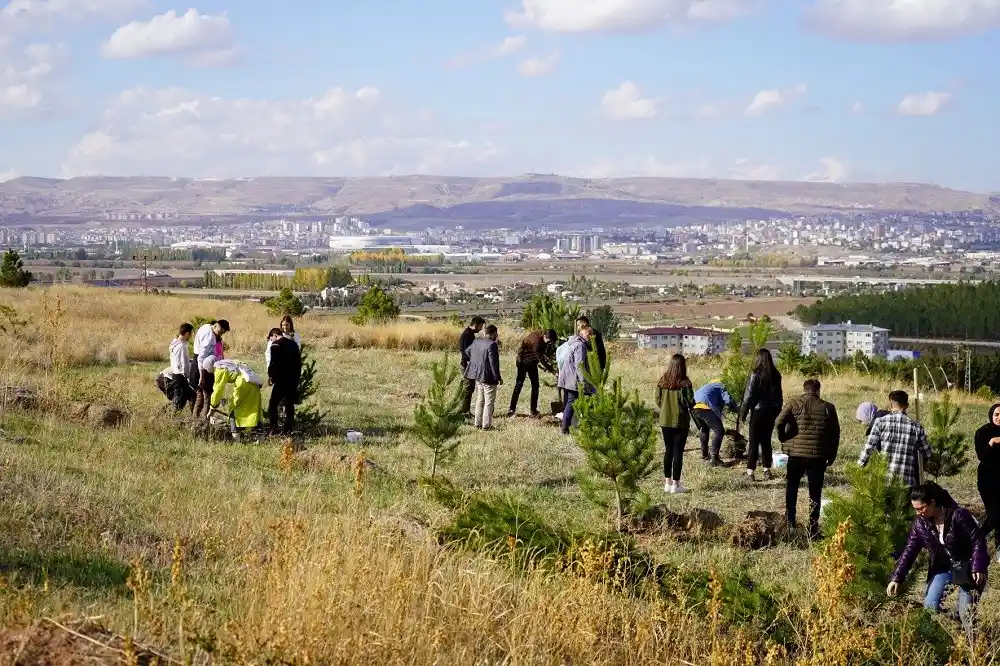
<point>840,341</point>
<point>686,340</point>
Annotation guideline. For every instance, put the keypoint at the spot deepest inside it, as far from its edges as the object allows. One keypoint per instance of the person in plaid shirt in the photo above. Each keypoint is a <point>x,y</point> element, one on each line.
<point>901,439</point>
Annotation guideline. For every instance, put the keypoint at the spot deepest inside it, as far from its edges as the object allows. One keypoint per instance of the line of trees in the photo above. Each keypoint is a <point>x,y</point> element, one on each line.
<point>304,279</point>
<point>393,260</point>
<point>963,310</point>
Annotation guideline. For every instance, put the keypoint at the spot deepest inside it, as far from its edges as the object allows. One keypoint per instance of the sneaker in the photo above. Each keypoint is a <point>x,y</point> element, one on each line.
<point>679,489</point>
<point>750,475</point>
<point>767,475</point>
<point>511,413</point>
<point>715,462</point>
<point>668,487</point>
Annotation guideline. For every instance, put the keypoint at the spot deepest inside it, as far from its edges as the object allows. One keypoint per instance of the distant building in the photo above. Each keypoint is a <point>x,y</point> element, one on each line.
<point>840,341</point>
<point>684,339</point>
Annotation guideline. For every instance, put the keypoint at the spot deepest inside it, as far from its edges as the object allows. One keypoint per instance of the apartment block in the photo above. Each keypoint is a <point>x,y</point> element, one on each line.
<point>840,341</point>
<point>686,340</point>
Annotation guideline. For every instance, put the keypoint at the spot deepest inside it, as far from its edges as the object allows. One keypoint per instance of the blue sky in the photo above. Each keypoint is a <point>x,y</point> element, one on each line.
<point>837,90</point>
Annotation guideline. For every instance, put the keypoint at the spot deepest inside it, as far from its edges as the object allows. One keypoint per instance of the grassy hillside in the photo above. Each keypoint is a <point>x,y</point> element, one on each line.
<point>269,556</point>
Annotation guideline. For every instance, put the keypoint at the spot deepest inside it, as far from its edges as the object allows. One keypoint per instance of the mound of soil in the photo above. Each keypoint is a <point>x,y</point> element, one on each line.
<point>46,643</point>
<point>759,530</point>
<point>99,415</point>
<point>659,518</point>
<point>18,397</point>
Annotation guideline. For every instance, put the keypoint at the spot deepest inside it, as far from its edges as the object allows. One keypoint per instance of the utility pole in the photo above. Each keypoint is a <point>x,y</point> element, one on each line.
<point>968,370</point>
<point>144,259</point>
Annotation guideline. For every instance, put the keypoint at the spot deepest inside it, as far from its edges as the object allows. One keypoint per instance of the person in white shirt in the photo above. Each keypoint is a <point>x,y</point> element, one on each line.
<point>204,346</point>
<point>287,327</point>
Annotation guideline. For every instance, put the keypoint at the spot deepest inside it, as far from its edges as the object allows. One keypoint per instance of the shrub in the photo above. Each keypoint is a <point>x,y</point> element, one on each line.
<point>790,358</point>
<point>376,307</point>
<point>308,418</point>
<point>878,510</point>
<point>12,273</point>
<point>604,319</point>
<point>438,418</point>
<point>950,451</point>
<point>544,312</point>
<point>285,303</point>
<point>986,393</point>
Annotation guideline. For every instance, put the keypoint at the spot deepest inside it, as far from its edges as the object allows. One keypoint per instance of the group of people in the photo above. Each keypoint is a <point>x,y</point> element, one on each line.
<point>480,362</point>
<point>807,427</point>
<point>200,377</point>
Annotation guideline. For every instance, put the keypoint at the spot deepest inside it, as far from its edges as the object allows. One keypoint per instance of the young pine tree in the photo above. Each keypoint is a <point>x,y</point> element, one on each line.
<point>879,512</point>
<point>12,273</point>
<point>308,417</point>
<point>617,434</point>
<point>950,450</point>
<point>438,418</point>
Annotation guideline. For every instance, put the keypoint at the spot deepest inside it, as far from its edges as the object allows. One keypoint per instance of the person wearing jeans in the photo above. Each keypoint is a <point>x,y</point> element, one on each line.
<point>534,351</point>
<point>710,400</point>
<point>572,374</point>
<point>675,397</point>
<point>484,370</point>
<point>809,430</point>
<point>762,402</point>
<point>464,342</point>
<point>953,541</point>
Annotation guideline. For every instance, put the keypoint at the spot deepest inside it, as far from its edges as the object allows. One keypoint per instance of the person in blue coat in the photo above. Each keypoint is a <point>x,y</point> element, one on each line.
<point>709,403</point>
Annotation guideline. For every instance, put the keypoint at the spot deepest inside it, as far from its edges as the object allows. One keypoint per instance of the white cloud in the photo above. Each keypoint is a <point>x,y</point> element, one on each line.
<point>771,100</point>
<point>903,20</point>
<point>183,133</point>
<point>20,15</point>
<point>832,171</point>
<point>203,38</point>
<point>923,104</point>
<point>745,169</point>
<point>509,46</point>
<point>27,78</point>
<point>539,65</point>
<point>623,15</point>
<point>627,103</point>
<point>10,174</point>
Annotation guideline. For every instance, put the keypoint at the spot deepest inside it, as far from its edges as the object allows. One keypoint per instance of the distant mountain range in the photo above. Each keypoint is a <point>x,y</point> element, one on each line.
<point>454,200</point>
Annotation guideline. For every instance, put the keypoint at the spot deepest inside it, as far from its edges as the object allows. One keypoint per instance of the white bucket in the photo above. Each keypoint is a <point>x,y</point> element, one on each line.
<point>780,460</point>
<point>354,436</point>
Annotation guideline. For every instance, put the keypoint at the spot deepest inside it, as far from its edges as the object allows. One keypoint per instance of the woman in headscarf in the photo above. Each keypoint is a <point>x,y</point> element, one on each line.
<point>867,413</point>
<point>988,452</point>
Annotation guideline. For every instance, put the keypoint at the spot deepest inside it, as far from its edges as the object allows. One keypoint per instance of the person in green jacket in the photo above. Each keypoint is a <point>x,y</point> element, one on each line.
<point>675,396</point>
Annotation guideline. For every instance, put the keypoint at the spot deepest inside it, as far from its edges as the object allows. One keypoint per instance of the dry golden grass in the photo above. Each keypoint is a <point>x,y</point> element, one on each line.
<point>313,557</point>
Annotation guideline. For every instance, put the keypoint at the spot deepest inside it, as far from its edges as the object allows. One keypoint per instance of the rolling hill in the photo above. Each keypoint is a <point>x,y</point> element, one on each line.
<point>523,198</point>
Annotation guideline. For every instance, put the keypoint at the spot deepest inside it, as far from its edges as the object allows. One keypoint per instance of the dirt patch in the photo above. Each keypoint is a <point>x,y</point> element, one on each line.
<point>759,530</point>
<point>660,519</point>
<point>51,643</point>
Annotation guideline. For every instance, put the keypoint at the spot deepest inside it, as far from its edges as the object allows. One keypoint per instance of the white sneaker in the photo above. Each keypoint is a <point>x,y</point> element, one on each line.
<point>750,475</point>
<point>679,489</point>
<point>668,487</point>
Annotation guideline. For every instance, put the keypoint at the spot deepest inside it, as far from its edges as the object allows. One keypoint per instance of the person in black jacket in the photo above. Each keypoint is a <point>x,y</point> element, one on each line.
<point>283,373</point>
<point>762,401</point>
<point>988,476</point>
<point>465,341</point>
<point>596,341</point>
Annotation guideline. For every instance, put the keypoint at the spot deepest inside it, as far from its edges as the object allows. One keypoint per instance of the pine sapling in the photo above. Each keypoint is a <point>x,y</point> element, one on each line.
<point>616,433</point>
<point>439,417</point>
<point>950,451</point>
<point>878,512</point>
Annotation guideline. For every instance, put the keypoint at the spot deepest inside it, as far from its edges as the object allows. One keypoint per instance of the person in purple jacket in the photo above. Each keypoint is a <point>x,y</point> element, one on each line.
<point>955,545</point>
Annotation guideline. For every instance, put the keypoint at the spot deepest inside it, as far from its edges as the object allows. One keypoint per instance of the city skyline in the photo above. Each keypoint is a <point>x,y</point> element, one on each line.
<point>828,90</point>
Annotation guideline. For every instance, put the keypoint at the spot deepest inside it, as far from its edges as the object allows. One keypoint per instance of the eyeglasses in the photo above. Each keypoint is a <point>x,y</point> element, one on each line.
<point>922,509</point>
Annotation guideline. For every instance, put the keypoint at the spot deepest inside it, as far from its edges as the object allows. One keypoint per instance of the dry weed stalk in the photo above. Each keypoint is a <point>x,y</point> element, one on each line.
<point>833,635</point>
<point>359,474</point>
<point>287,461</point>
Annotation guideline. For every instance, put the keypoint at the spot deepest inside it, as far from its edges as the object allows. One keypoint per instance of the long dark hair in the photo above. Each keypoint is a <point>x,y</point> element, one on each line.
<point>763,367</point>
<point>291,324</point>
<point>676,376</point>
<point>931,492</point>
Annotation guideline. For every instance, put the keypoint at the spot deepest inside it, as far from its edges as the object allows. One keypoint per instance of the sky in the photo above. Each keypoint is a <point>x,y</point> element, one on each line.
<point>826,90</point>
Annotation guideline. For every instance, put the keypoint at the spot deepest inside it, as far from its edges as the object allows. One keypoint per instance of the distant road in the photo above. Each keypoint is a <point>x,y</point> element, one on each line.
<point>939,341</point>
